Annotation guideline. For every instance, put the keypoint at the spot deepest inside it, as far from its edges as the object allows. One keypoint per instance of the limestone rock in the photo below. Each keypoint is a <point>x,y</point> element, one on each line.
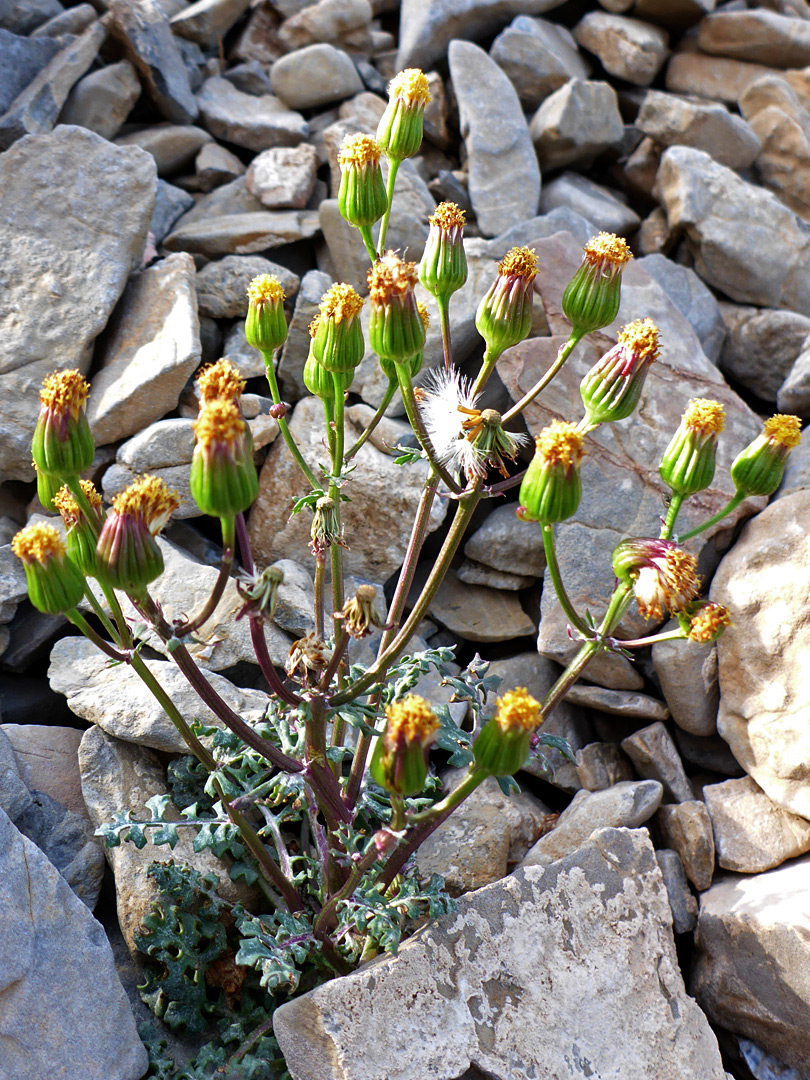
<point>671,120</point>
<point>473,573</point>
<point>23,18</point>
<point>538,57</point>
<point>15,798</point>
<point>592,201</point>
<point>599,918</point>
<point>765,37</point>
<point>751,833</point>
<point>207,20</point>
<point>242,233</point>
<point>170,203</point>
<point>575,124</point>
<point>231,198</point>
<point>761,346</point>
<point>22,60</point>
<point>656,757</point>
<point>687,829</point>
<point>627,48</point>
<point>247,121</point>
<point>763,701</point>
<point>57,969</point>
<point>102,100</point>
<point>214,165</point>
<point>64,263</point>
<point>784,158</point>
<point>691,297</point>
<point>497,141</point>
<point>506,543</point>
<point>222,285</point>
<point>173,146</point>
<point>469,850</point>
<point>618,702</point>
<point>712,76</point>
<point>315,76</point>
<point>682,903</point>
<point>48,760</point>
<point>283,176</point>
<point>687,672</point>
<point>326,20</point>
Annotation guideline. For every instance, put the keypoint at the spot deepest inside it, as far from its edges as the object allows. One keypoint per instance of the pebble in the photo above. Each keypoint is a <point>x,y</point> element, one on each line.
<point>655,757</point>
<point>170,203</point>
<point>692,298</point>
<point>283,176</point>
<point>214,165</point>
<point>173,146</point>
<point>681,901</point>
<point>627,48</point>
<point>326,20</point>
<point>671,120</point>
<point>688,676</point>
<point>751,833</point>
<point>24,18</point>
<point>575,124</point>
<point>102,100</point>
<point>601,765</point>
<point>598,204</point>
<point>254,123</point>
<point>538,57</point>
<point>477,613</point>
<point>315,76</point>
<point>206,21</point>
<point>242,233</point>
<point>687,829</point>
<point>765,37</point>
<point>222,285</point>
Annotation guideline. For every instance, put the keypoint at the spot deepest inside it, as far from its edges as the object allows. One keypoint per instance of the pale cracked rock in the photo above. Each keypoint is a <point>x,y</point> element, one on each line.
<point>687,828</point>
<point>764,37</point>
<point>752,970</point>
<point>56,971</point>
<point>762,657</point>
<point>625,805</point>
<point>63,263</point>
<point>538,57</point>
<point>315,76</point>
<point>576,123</point>
<point>622,491</point>
<point>254,123</point>
<point>656,757</point>
<point>119,703</point>
<point>671,120</point>
<point>752,833</point>
<point>241,233</point>
<point>497,141</point>
<point>499,986</point>
<point>382,497</point>
<point>627,48</point>
<point>48,760</point>
<point>151,348</point>
<point>730,225</point>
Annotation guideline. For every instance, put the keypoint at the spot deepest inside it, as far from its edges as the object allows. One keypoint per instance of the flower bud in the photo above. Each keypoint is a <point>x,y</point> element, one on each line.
<point>591,298</point>
<point>321,383</point>
<point>62,444</point>
<point>504,742</point>
<point>551,489</point>
<point>48,484</point>
<point>362,198</point>
<point>260,592</point>
<point>443,269</point>
<point>396,331</point>
<point>504,316</point>
<point>128,557</point>
<point>662,575</point>
<point>704,621</point>
<point>399,132</point>
<point>55,584</point>
<point>81,535</point>
<point>360,614</point>
<point>223,478</point>
<point>414,365</point>
<point>611,389</point>
<point>265,324</point>
<point>759,469</point>
<point>221,380</point>
<point>399,761</point>
<point>688,462</point>
<point>337,340</point>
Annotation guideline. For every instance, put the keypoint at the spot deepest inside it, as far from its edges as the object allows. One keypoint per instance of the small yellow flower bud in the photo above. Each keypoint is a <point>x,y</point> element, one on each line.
<point>611,389</point>
<point>396,331</point>
<point>443,269</point>
<point>338,338</point>
<point>399,762</point>
<point>362,198</point>
<point>503,744</point>
<point>55,584</point>
<point>551,489</point>
<point>128,557</point>
<point>220,380</point>
<point>688,462</point>
<point>591,298</point>
<point>265,324</point>
<point>62,445</point>
<point>399,132</point>
<point>504,316</point>
<point>758,470</point>
<point>223,478</point>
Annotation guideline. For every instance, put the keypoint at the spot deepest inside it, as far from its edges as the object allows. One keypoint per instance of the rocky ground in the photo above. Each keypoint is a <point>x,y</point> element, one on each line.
<point>156,155</point>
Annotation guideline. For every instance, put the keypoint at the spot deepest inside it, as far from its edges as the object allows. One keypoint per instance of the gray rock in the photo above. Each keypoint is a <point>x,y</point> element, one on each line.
<point>73,21</point>
<point>506,543</point>
<point>47,756</point>
<point>538,57</point>
<point>627,48</point>
<point>730,225</point>
<point>575,124</point>
<point>477,613</point>
<point>687,672</point>
<point>751,971</point>
<point>241,234</point>
<point>232,198</point>
<point>22,17</point>
<point>592,201</point>
<point>64,263</point>
<point>682,903</point>
<point>67,839</point>
<point>782,124</point>
<point>36,110</point>
<point>328,20</point>
<point>751,833</point>
<point>102,100</point>
<point>708,753</point>
<point>761,36</point>
<point>173,146</point>
<point>250,77</point>
<point>600,765</point>
<point>222,285</point>
<point>283,176</point>
<point>793,396</point>
<point>678,14</point>
<point>246,358</point>
<point>148,41</point>
<point>712,76</point>
<point>671,120</point>
<point>687,829</point>
<point>315,76</point>
<point>170,203</point>
<point>797,471</point>
<point>765,1066</point>
<point>295,604</point>
<point>294,351</point>
<point>21,59</point>
<point>618,702</point>
<point>214,165</point>
<point>15,798</point>
<point>625,805</point>
<point>496,139</point>
<point>247,121</point>
<point>761,346</point>
<point>208,20</point>
<point>473,573</point>
<point>691,297</point>
<point>656,757</point>
<point>57,965</point>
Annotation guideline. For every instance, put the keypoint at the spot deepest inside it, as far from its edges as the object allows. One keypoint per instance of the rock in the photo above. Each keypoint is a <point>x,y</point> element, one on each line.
<point>640,169</point>
<point>473,573</point>
<point>48,761</point>
<point>763,704</point>
<point>170,203</point>
<point>797,471</point>
<point>173,146</point>
<point>506,543</point>
<point>146,36</point>
<point>712,76</point>
<point>730,225</point>
<point>618,702</point>
<point>655,757</point>
<point>151,348</point>
<point>626,805</point>
<point>592,201</point>
<point>679,14</point>
<point>15,798</point>
<point>232,198</point>
<point>208,20</point>
<point>691,297</point>
<point>575,124</point>
<point>241,234</point>
<point>477,613</point>
<point>283,176</point>
<point>244,356</point>
<point>761,346</point>
<point>325,21</point>
<point>599,918</point>
<point>687,829</point>
<point>214,165</point>
<point>57,965</point>
<point>315,76</point>
<point>22,60</point>
<point>793,396</point>
<point>601,765</point>
<point>761,36</point>
<point>538,57</point>
<point>682,903</point>
<point>295,604</point>
<point>294,351</point>
<point>380,493</point>
<point>35,111</point>
<point>751,833</point>
<point>116,774</point>
<point>255,123</point>
<point>784,158</point>
<point>102,100</point>
<point>222,285</point>
<point>73,21</point>
<point>250,77</point>
<point>119,703</point>
<point>765,1066</point>
<point>751,971</point>
<point>708,126</point>
<point>258,41</point>
<point>627,48</point>
<point>64,263</point>
<point>687,672</point>
<point>496,139</point>
<point>22,18</point>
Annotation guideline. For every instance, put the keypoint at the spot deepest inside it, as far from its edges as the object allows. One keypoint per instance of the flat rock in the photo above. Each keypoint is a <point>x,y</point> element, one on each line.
<point>71,21</point>
<point>761,657</point>
<point>222,285</point>
<point>687,829</point>
<point>173,146</point>
<point>254,123</point>
<point>761,346</point>
<point>712,77</point>
<point>214,165</point>
<point>242,233</point>
<point>687,672</point>
<point>102,100</point>
<point>477,613</point>
<point>627,48</point>
<point>575,124</point>
<point>591,201</point>
<point>283,176</point>
<point>682,903</point>
<point>474,573</point>
<point>230,198</point>
<point>765,37</point>
<point>655,757</point>
<point>170,203</point>
<point>208,20</point>
<point>15,798</point>
<point>315,76</point>
<point>147,38</point>
<point>57,968</point>
<point>752,974</point>
<point>538,57</point>
<point>752,833</point>
<point>497,141</point>
<point>22,59</point>
<point>381,495</point>
<point>22,18</point>
<point>327,20</point>
<point>506,543</point>
<point>793,396</point>
<point>671,120</point>
<point>48,760</point>
<point>599,918</point>
<point>600,765</point>
<point>691,297</point>
<point>618,702</point>
<point>64,263</point>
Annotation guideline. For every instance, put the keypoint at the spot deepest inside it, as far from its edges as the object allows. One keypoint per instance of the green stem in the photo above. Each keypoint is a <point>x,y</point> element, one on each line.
<point>393,169</point>
<point>368,240</point>
<point>376,418</point>
<point>100,612</point>
<point>443,303</point>
<point>553,567</point>
<point>325,919</point>
<point>79,620</point>
<point>732,504</point>
<point>564,352</point>
<point>491,358</point>
<point>112,600</point>
<point>415,420</point>
<point>673,510</point>
<point>336,551</point>
<point>283,426</point>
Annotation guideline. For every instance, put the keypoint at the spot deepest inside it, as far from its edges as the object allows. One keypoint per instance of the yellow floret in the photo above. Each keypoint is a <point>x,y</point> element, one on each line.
<point>391,276</point>
<point>410,86</point>
<point>147,497</point>
<point>65,391</point>
<point>39,542</point>
<point>359,150</point>
<point>641,337</point>
<point>520,262</point>
<point>340,302</point>
<point>411,721</point>
<point>220,380</point>
<point>218,421</point>
<point>560,444</point>
<point>266,289</point>
<point>784,429</point>
<point>517,710</point>
<point>448,216</point>
<point>704,415</point>
<point>607,247</point>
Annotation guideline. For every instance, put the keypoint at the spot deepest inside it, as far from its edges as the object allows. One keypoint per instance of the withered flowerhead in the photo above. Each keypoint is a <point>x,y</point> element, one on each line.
<point>221,380</point>
<point>662,575</point>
